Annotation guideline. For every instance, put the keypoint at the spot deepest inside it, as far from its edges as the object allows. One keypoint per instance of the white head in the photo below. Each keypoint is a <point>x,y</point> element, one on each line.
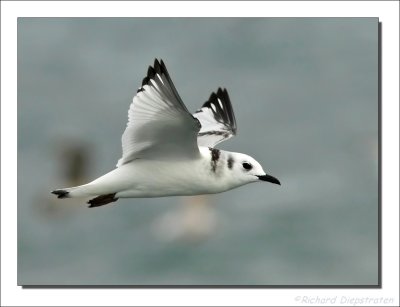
<point>246,169</point>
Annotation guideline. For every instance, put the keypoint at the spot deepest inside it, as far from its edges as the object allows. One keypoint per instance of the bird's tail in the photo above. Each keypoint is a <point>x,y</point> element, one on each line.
<point>61,193</point>
<point>83,191</point>
<point>79,191</point>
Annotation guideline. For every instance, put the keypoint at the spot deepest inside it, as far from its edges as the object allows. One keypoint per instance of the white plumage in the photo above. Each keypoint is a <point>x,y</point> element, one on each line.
<point>168,151</point>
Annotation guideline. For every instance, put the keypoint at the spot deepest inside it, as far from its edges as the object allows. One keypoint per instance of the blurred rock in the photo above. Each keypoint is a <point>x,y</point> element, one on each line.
<point>195,220</point>
<point>73,162</point>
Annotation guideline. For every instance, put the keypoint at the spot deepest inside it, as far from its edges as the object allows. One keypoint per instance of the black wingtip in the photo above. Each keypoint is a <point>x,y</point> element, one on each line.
<point>151,72</point>
<point>157,66</point>
<point>60,193</point>
<point>162,64</point>
<point>145,81</point>
<point>224,113</point>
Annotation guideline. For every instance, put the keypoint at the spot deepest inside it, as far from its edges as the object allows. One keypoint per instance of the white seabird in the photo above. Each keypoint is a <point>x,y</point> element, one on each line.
<point>167,151</point>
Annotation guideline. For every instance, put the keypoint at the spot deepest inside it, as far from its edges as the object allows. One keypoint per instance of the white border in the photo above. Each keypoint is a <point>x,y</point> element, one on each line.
<point>12,295</point>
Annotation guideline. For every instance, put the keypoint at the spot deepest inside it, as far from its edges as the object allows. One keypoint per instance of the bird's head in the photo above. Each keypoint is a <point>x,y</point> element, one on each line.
<point>246,169</point>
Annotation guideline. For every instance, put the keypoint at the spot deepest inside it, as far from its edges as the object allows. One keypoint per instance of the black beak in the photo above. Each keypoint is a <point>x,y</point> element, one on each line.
<point>269,179</point>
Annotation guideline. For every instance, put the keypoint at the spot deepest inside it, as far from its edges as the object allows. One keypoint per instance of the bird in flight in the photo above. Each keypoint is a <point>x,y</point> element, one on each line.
<point>167,151</point>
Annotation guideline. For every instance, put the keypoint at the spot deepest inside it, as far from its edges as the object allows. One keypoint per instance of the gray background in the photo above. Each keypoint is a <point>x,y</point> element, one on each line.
<point>306,101</point>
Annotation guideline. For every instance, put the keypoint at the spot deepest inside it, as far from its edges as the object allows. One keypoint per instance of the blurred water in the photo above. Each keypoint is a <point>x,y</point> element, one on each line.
<point>305,96</point>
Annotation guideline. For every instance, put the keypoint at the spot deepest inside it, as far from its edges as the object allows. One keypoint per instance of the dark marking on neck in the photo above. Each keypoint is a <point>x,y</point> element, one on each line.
<point>230,162</point>
<point>215,154</point>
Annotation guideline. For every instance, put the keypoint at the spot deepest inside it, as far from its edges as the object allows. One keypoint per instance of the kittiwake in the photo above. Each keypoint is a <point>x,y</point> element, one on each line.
<point>167,151</point>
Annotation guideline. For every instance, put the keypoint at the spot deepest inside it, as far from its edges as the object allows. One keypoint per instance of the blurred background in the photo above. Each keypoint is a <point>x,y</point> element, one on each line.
<point>305,95</point>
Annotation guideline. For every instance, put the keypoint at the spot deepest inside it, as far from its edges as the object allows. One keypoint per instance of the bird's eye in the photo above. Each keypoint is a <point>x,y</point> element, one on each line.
<point>247,166</point>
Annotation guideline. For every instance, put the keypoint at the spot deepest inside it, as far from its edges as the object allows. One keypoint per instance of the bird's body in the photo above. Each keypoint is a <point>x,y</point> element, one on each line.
<point>201,175</point>
<point>169,152</point>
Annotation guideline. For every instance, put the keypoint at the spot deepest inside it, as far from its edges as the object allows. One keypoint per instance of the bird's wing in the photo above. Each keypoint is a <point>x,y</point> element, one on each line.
<point>159,125</point>
<point>217,119</point>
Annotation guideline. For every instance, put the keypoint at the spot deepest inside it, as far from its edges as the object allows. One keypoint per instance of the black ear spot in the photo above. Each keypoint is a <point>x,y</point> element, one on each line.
<point>247,166</point>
